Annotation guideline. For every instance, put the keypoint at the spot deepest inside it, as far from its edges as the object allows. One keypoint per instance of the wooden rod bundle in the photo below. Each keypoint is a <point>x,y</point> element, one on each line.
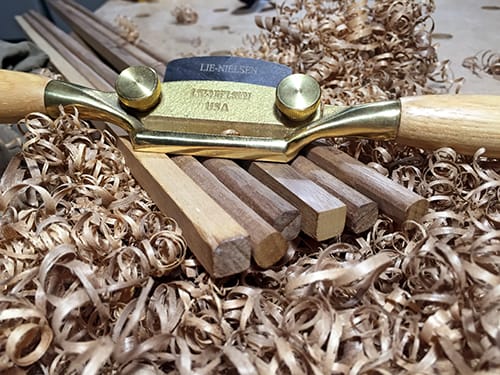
<point>105,39</point>
<point>222,249</point>
<point>257,210</point>
<point>322,213</point>
<point>140,44</point>
<point>268,244</point>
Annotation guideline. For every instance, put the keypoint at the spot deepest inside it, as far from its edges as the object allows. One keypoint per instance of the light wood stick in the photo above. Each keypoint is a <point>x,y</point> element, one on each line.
<point>269,246</point>
<point>323,215</point>
<point>272,207</point>
<point>220,244</point>
<point>393,199</point>
<point>362,212</point>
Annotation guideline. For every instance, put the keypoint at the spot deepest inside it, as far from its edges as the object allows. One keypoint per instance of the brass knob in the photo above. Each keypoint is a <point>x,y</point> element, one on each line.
<point>138,87</point>
<point>298,96</point>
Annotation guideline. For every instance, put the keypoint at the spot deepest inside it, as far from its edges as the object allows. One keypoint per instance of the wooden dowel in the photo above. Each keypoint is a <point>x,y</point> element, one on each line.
<point>268,244</point>
<point>323,215</point>
<point>220,244</point>
<point>272,207</point>
<point>393,199</point>
<point>362,212</point>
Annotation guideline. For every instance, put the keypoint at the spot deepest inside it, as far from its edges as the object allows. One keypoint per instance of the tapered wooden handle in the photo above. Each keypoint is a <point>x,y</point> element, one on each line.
<point>20,94</point>
<point>463,122</point>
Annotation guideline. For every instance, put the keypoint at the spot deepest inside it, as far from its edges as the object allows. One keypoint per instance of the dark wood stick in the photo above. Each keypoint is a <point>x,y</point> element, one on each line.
<point>272,207</point>
<point>269,246</point>
<point>393,199</point>
<point>323,215</point>
<point>362,212</point>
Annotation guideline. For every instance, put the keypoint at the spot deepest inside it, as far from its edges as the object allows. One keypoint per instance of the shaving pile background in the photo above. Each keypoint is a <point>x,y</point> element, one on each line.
<point>93,277</point>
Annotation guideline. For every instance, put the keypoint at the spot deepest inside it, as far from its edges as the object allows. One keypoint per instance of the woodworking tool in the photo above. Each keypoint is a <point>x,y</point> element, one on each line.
<point>243,108</point>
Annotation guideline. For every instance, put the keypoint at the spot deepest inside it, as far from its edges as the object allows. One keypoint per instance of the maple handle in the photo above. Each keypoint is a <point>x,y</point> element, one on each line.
<point>20,94</point>
<point>463,122</point>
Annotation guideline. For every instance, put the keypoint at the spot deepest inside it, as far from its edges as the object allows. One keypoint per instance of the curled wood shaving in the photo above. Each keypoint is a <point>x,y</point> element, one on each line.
<point>127,28</point>
<point>484,62</point>
<point>185,15</point>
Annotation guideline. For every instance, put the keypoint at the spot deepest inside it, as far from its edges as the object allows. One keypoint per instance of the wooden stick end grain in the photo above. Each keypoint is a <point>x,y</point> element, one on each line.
<point>323,215</point>
<point>362,212</point>
<point>230,255</point>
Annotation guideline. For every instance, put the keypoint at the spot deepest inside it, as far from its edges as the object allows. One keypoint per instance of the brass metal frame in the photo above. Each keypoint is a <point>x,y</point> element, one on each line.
<point>224,119</point>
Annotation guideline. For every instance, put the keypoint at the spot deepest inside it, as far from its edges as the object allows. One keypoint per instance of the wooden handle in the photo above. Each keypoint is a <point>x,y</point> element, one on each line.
<point>463,122</point>
<point>20,94</point>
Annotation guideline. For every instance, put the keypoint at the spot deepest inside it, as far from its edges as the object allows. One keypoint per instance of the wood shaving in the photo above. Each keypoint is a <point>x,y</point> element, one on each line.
<point>185,15</point>
<point>490,7</point>
<point>220,28</point>
<point>127,29</point>
<point>81,276</point>
<point>441,36</point>
<point>484,62</point>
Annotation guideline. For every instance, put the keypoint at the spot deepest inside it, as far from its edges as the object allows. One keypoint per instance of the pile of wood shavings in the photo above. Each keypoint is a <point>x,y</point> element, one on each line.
<point>83,289</point>
<point>420,298</point>
<point>80,244</point>
<point>127,29</point>
<point>359,51</point>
